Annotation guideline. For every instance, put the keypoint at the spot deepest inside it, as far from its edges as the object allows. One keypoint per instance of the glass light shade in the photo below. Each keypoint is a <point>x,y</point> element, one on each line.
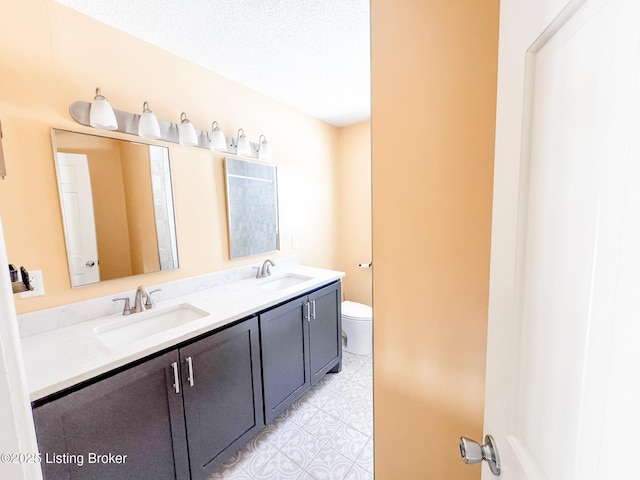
<point>148,126</point>
<point>186,133</point>
<point>218,140</point>
<point>243,146</point>
<point>101,114</point>
<point>264,150</point>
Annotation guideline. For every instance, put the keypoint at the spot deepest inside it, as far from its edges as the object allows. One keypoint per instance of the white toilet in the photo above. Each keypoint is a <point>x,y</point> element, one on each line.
<point>357,328</point>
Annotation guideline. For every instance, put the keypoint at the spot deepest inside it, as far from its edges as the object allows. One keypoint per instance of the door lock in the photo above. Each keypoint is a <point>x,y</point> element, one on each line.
<point>473,452</point>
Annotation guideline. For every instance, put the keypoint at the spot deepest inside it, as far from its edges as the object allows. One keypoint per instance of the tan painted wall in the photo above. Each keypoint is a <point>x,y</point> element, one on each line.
<point>355,211</point>
<point>143,239</point>
<point>109,205</point>
<point>51,56</point>
<point>434,66</point>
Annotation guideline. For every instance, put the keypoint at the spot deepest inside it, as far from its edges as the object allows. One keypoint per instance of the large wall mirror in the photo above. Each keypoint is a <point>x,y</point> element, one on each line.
<point>252,208</point>
<point>117,207</point>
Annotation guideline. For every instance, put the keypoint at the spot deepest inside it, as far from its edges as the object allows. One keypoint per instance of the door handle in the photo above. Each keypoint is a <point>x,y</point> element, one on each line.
<point>90,263</point>
<point>190,364</point>
<point>313,314</point>
<point>473,452</point>
<point>308,315</point>
<point>176,379</point>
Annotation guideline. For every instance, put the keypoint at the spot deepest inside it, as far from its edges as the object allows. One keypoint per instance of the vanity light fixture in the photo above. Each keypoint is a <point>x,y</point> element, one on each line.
<point>186,133</point>
<point>243,147</point>
<point>264,150</point>
<point>148,126</point>
<point>218,140</point>
<point>101,114</point>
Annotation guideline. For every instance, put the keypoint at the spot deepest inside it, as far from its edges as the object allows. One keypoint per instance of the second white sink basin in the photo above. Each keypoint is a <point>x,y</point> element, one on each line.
<point>275,284</point>
<point>134,327</point>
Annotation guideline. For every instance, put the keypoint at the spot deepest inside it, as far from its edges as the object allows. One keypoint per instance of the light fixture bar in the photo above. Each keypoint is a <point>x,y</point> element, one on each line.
<point>128,123</point>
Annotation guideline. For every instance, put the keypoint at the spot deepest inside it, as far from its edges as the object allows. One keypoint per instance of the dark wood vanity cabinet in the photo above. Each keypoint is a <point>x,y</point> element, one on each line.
<point>325,331</point>
<point>222,392</point>
<point>284,334</point>
<point>161,428</point>
<point>301,342</point>
<point>182,413</point>
<point>134,413</point>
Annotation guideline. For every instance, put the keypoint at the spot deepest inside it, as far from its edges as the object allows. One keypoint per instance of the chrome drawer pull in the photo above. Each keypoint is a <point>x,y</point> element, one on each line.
<point>190,364</point>
<point>176,378</point>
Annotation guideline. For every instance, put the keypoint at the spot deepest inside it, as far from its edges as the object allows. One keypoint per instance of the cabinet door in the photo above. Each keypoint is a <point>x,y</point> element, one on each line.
<point>285,356</point>
<point>325,331</point>
<point>222,395</point>
<point>136,413</point>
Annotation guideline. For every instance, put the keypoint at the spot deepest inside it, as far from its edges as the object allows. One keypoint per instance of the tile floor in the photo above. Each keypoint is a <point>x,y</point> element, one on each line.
<point>326,435</point>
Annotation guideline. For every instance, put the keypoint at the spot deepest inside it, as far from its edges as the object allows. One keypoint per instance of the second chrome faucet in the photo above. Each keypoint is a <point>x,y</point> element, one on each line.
<point>265,270</point>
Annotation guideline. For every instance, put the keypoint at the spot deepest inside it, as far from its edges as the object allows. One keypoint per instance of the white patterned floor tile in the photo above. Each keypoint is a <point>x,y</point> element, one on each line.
<point>348,441</point>
<point>325,435</point>
<point>340,385</point>
<point>302,448</point>
<point>302,414</point>
<point>365,459</point>
<point>254,460</point>
<point>326,400</point>
<point>329,465</point>
<point>279,467</point>
<point>237,475</point>
<point>357,391</point>
<point>364,378</point>
<point>358,473</point>
<point>322,426</point>
<point>341,411</point>
<point>284,434</point>
<point>363,424</point>
<point>306,476</point>
<point>351,361</point>
<point>265,435</point>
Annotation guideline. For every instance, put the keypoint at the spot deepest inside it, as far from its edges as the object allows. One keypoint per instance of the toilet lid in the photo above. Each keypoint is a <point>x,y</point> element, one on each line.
<point>357,311</point>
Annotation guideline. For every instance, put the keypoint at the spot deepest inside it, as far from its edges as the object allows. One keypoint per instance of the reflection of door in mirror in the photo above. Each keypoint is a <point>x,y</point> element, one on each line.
<point>132,203</point>
<point>77,205</point>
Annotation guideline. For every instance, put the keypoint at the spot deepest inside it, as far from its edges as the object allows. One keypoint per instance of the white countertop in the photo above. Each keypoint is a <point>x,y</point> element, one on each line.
<point>64,357</point>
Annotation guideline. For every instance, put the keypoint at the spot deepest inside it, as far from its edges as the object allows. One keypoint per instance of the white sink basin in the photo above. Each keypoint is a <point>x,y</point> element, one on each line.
<point>275,284</point>
<point>134,327</point>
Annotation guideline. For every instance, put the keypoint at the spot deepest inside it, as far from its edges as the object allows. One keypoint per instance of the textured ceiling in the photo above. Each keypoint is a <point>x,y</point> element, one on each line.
<point>310,54</point>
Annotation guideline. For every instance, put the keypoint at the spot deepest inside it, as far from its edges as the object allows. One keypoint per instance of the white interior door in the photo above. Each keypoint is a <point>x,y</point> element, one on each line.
<point>17,433</point>
<point>79,221</point>
<point>564,336</point>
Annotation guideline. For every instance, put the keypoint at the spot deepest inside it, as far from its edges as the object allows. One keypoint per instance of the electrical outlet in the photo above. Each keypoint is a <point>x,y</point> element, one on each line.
<point>294,242</point>
<point>37,282</point>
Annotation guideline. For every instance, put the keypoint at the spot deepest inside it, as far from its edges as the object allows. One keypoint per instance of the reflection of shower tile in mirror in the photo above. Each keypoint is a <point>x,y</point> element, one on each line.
<point>252,208</point>
<point>163,206</point>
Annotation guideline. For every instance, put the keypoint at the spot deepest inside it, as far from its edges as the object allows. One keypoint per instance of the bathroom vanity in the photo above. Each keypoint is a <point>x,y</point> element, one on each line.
<point>178,405</point>
<point>301,342</point>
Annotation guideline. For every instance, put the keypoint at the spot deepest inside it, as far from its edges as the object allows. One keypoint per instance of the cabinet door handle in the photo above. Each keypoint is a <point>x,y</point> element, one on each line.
<point>313,314</point>
<point>308,315</point>
<point>190,364</point>
<point>176,378</point>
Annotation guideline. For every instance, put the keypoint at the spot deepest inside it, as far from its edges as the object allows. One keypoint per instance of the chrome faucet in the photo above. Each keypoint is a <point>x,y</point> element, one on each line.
<point>142,301</point>
<point>265,270</point>
<point>141,294</point>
